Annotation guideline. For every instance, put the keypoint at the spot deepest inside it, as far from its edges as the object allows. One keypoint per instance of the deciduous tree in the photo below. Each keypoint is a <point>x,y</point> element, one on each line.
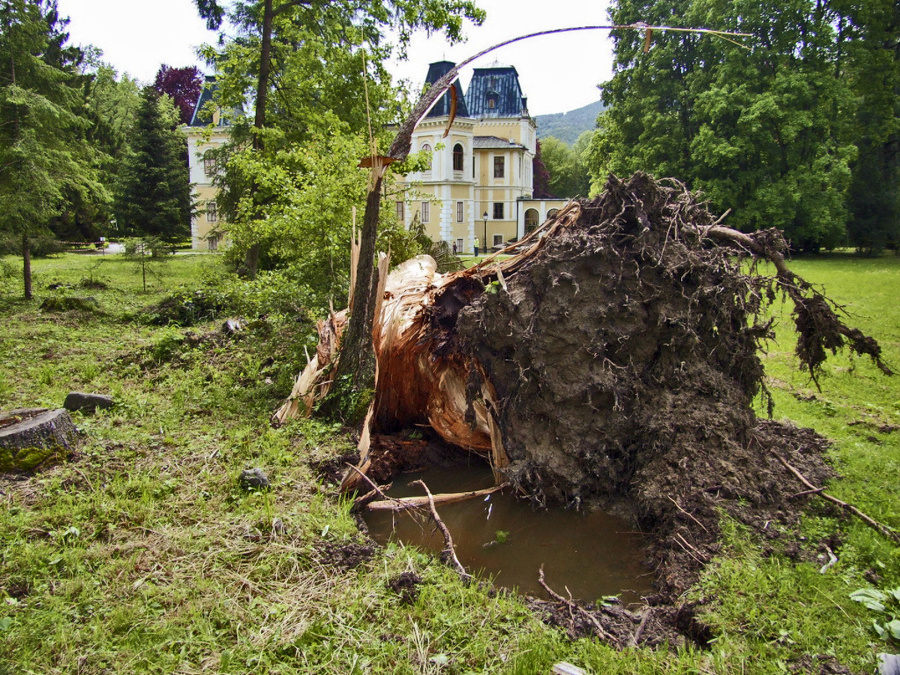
<point>761,130</point>
<point>183,85</point>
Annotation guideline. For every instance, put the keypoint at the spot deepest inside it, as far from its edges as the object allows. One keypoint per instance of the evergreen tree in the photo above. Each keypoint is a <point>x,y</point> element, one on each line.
<point>45,162</point>
<point>154,192</point>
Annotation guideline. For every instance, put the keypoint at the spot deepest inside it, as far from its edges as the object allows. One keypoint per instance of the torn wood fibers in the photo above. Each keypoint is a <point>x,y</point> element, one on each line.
<point>416,380</point>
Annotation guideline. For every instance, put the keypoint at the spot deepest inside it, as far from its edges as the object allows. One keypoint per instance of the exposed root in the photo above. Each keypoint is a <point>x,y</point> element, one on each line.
<point>881,528</point>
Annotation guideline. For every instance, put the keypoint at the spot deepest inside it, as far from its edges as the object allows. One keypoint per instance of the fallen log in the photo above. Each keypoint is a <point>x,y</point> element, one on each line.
<point>612,360</point>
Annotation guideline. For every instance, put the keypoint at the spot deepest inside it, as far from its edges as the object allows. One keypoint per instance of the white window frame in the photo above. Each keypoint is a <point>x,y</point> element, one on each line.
<point>426,212</point>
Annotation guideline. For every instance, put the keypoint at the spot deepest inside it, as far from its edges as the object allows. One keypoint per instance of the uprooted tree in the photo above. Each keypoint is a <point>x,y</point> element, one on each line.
<point>612,361</point>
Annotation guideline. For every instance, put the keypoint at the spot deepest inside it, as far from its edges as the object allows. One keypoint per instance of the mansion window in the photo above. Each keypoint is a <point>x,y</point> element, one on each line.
<point>209,163</point>
<point>427,148</point>
<point>498,210</point>
<point>212,212</point>
<point>458,154</point>
<point>498,239</point>
<point>400,212</point>
<point>499,167</point>
<point>459,212</point>
<point>426,212</point>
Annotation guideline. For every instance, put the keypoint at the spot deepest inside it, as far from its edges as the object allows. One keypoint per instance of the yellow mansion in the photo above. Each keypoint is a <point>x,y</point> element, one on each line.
<point>205,134</point>
<point>480,182</point>
<point>479,185</point>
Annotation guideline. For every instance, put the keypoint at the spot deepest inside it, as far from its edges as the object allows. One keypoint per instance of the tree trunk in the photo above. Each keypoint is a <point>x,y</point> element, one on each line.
<point>251,258</point>
<point>356,366</point>
<point>26,266</point>
<point>262,85</point>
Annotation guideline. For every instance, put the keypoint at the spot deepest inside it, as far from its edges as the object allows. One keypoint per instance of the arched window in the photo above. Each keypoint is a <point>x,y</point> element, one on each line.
<point>458,154</point>
<point>531,220</point>
<point>552,212</point>
<point>427,148</point>
<point>492,98</point>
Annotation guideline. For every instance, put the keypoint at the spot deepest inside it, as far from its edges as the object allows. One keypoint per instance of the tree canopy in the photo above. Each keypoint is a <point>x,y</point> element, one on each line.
<point>314,75</point>
<point>47,163</point>
<point>771,129</point>
<point>183,85</point>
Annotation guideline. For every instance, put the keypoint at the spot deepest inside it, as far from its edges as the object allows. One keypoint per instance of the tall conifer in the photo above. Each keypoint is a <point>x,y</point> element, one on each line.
<point>154,192</point>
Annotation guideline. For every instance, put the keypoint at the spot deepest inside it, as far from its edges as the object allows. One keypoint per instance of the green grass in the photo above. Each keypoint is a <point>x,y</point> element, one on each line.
<point>142,554</point>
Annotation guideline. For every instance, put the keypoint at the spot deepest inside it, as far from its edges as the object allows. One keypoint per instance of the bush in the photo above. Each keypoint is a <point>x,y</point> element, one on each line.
<point>271,294</point>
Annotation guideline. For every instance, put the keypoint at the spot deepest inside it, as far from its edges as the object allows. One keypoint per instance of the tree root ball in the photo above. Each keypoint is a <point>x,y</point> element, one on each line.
<point>624,356</point>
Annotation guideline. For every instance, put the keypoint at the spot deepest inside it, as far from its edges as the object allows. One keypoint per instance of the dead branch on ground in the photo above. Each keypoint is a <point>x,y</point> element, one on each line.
<point>449,550</point>
<point>868,520</point>
<point>574,607</point>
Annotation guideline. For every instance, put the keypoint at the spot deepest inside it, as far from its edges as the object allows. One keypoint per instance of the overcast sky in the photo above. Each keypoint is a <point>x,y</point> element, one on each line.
<point>558,73</point>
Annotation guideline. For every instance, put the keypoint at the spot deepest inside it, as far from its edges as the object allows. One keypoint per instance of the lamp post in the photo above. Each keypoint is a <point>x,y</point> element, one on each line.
<point>484,242</point>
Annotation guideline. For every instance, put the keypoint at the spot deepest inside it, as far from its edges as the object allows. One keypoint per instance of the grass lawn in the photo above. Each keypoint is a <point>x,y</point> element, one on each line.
<point>143,554</point>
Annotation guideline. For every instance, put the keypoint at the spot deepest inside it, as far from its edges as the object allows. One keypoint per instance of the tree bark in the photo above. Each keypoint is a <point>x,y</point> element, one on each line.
<point>262,85</point>
<point>356,366</point>
<point>26,266</point>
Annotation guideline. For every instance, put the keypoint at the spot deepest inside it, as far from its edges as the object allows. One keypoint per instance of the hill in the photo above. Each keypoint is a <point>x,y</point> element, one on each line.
<point>568,126</point>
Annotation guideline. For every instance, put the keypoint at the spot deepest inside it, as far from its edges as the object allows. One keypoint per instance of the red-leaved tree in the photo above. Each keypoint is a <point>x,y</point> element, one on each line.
<point>183,85</point>
<point>541,177</point>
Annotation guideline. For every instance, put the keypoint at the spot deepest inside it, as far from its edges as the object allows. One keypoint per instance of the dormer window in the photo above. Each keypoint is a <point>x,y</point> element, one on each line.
<point>458,154</point>
<point>492,98</point>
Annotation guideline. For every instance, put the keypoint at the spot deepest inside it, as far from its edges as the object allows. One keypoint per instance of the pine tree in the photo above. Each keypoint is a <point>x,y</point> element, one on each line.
<point>44,159</point>
<point>154,192</point>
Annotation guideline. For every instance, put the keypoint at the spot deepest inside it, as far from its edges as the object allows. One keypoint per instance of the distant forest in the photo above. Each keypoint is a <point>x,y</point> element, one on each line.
<point>568,126</point>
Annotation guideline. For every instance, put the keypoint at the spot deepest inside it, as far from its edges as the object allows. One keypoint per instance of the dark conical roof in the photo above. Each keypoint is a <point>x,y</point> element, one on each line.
<point>201,118</point>
<point>495,92</point>
<point>442,108</point>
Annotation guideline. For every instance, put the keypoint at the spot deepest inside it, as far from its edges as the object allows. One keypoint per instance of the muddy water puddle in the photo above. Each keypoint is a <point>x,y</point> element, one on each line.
<point>590,554</point>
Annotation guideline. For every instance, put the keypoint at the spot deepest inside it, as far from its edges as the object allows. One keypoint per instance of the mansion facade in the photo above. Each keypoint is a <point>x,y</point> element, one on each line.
<point>480,183</point>
<point>204,135</point>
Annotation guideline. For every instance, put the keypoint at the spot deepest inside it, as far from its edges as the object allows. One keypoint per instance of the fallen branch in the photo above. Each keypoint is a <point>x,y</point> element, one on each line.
<point>868,520</point>
<point>636,638</point>
<point>376,491</point>
<point>573,606</point>
<point>449,549</point>
<point>402,503</point>
<point>678,506</point>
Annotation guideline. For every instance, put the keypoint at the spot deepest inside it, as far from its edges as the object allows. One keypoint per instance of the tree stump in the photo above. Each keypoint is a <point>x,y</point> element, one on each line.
<point>30,437</point>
